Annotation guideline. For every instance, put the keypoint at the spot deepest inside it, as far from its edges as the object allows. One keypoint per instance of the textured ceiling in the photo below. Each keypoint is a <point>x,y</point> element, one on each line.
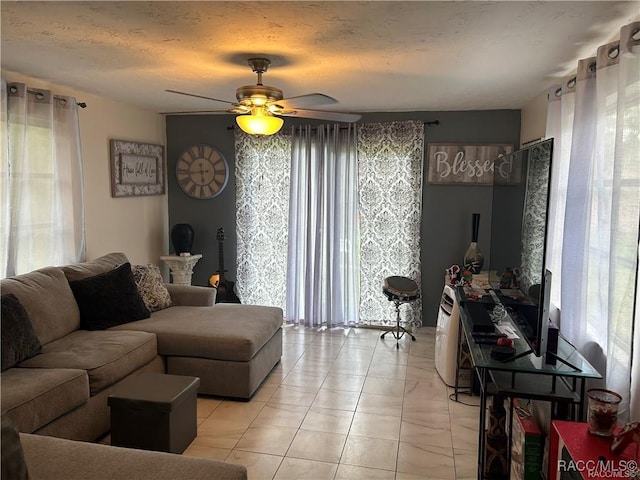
<point>371,56</point>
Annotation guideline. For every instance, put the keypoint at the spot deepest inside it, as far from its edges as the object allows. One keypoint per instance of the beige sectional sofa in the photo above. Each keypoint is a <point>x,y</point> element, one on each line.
<point>62,391</point>
<point>39,457</point>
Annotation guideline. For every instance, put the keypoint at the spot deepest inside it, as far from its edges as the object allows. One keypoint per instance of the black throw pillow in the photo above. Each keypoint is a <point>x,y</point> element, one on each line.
<point>14,466</point>
<point>19,340</point>
<point>109,299</point>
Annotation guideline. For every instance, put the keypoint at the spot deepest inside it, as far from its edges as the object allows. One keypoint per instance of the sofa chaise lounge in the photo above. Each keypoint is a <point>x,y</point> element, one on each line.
<point>62,391</point>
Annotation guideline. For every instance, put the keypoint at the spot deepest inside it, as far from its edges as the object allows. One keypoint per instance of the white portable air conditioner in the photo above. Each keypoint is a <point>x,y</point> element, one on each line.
<point>447,336</point>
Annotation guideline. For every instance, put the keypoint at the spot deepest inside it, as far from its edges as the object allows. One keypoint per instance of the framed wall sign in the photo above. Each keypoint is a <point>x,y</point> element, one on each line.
<point>460,164</point>
<point>136,169</point>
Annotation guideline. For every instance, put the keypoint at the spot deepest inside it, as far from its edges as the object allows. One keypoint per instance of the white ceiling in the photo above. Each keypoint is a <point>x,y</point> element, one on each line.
<point>371,56</point>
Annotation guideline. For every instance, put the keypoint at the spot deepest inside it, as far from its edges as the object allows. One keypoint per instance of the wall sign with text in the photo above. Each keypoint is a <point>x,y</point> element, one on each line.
<point>458,164</point>
<point>136,169</point>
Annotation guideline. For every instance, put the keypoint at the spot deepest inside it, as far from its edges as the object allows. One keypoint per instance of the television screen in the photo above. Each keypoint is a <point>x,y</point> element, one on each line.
<point>518,243</point>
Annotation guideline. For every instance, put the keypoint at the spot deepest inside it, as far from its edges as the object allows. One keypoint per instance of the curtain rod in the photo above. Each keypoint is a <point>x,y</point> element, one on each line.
<point>430,123</point>
<point>233,127</point>
<point>40,96</point>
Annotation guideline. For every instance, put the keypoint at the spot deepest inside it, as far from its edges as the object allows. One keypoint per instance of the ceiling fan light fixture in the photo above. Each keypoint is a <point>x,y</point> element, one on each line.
<point>260,106</point>
<point>259,100</point>
<point>258,123</point>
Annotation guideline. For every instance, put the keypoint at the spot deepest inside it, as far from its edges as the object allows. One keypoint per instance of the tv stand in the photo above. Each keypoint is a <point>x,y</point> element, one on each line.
<point>560,359</point>
<point>520,355</point>
<point>524,375</point>
<point>529,352</point>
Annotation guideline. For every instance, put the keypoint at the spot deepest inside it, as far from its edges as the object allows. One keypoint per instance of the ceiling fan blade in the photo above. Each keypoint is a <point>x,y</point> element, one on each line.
<point>201,96</point>
<point>308,100</point>
<point>322,115</point>
<point>195,112</point>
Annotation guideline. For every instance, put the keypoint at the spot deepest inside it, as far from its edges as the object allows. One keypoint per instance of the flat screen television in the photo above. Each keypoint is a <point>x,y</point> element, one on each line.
<point>519,231</point>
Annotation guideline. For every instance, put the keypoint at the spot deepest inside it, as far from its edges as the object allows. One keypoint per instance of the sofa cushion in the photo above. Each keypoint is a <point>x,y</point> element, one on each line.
<point>78,271</point>
<point>222,332</point>
<point>46,296</point>
<point>13,465</point>
<point>190,295</point>
<point>33,397</point>
<point>108,299</point>
<point>151,287</point>
<point>107,356</point>
<point>19,341</point>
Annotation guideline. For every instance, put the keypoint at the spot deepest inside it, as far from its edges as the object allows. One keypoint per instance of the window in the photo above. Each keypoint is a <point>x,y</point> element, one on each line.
<point>41,184</point>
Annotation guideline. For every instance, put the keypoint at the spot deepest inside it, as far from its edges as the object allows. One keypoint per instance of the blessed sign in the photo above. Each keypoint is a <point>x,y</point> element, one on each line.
<point>454,164</point>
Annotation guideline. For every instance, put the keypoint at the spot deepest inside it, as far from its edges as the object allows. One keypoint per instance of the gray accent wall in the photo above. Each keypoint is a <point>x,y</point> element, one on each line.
<point>447,209</point>
<point>205,216</point>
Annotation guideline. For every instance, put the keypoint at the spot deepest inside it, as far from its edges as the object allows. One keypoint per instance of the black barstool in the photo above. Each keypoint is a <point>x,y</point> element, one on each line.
<point>400,290</point>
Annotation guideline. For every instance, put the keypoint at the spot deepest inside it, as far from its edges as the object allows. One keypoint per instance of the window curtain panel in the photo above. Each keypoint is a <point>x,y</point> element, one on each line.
<point>390,165</point>
<point>323,263</point>
<point>262,206</point>
<point>559,127</point>
<point>597,129</point>
<point>41,184</point>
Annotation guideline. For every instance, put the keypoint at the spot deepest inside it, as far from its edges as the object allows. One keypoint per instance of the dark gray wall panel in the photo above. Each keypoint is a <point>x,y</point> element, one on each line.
<point>205,216</point>
<point>446,219</point>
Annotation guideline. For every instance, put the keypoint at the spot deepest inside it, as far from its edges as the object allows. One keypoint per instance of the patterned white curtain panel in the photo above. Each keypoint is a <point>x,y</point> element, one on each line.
<point>390,165</point>
<point>262,206</point>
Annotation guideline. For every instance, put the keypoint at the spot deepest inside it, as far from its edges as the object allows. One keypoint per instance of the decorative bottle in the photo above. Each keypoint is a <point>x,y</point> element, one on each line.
<point>474,259</point>
<point>182,238</point>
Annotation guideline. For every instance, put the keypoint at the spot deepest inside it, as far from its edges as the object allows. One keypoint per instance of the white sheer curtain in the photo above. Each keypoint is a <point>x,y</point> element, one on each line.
<point>559,127</point>
<point>597,181</point>
<point>41,184</point>
<point>323,262</point>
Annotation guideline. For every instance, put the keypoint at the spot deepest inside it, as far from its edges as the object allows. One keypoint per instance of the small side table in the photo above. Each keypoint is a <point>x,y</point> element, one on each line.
<point>181,267</point>
<point>154,411</point>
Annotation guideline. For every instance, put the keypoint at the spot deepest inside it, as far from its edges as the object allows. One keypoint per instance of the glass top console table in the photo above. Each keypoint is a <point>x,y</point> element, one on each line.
<point>525,375</point>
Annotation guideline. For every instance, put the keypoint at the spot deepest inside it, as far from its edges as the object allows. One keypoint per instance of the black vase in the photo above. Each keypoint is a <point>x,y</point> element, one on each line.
<point>182,238</point>
<point>473,258</point>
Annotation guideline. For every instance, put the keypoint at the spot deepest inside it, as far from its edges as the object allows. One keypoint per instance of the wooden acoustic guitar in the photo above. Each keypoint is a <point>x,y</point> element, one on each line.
<point>225,287</point>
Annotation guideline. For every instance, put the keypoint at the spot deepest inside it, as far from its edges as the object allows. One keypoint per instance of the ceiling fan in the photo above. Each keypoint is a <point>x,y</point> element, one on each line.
<point>259,107</point>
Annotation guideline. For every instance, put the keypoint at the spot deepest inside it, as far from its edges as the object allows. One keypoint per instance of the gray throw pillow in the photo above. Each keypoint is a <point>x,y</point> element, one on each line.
<point>19,340</point>
<point>108,299</point>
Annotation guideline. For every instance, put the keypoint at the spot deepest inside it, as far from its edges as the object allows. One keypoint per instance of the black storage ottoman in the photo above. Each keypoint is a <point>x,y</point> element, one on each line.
<point>154,411</point>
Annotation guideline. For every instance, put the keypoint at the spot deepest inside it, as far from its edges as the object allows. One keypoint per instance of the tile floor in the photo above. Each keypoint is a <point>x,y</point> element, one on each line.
<point>344,404</point>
